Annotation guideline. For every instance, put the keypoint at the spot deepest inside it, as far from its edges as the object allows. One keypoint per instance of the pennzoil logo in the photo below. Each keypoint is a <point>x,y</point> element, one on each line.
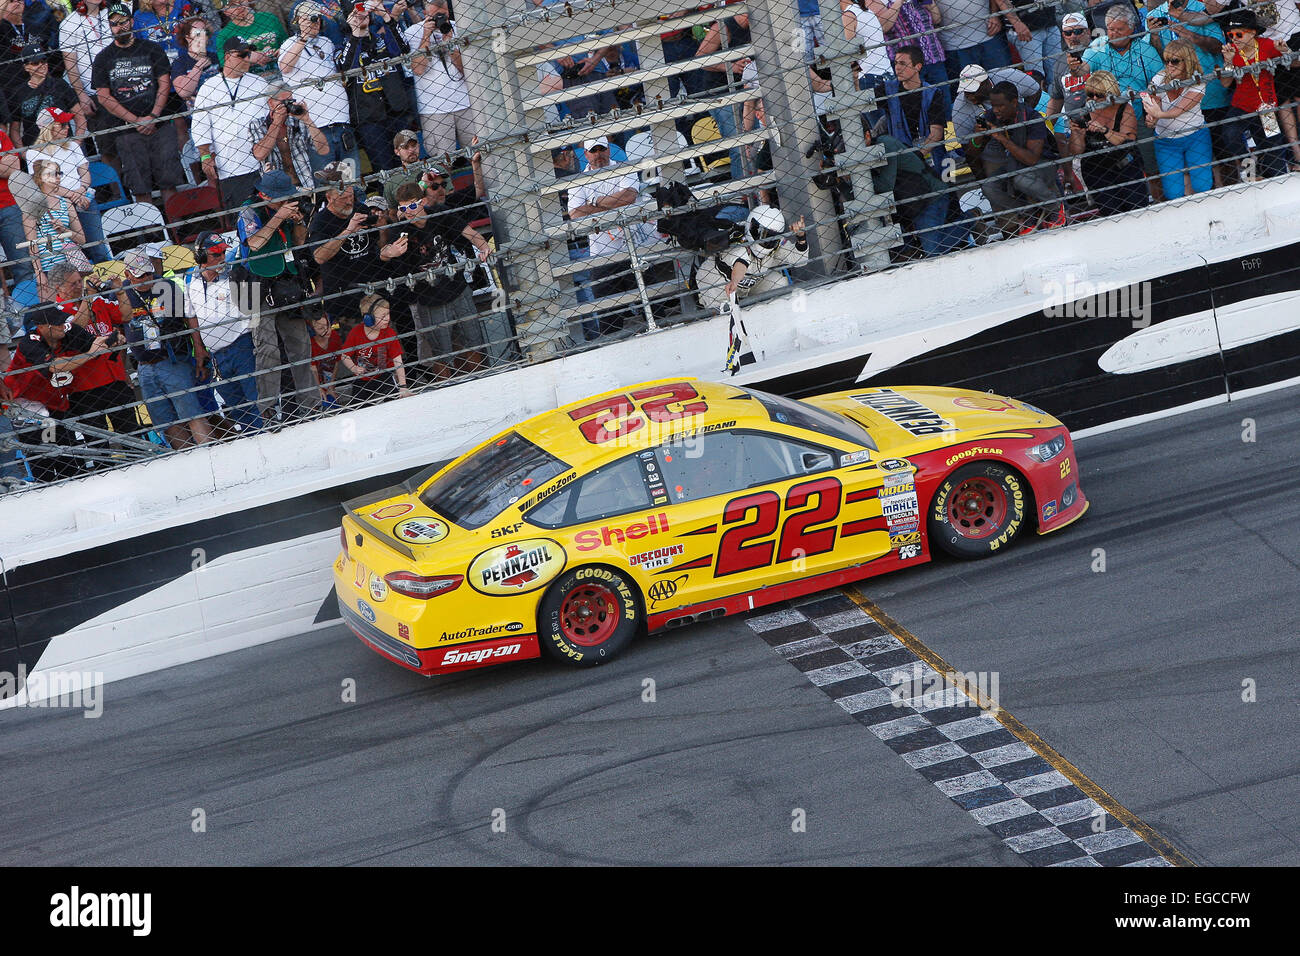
<point>423,530</point>
<point>518,567</point>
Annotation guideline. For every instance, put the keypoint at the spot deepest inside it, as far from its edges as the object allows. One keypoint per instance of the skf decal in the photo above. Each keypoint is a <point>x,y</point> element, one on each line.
<point>423,530</point>
<point>517,568</point>
<point>378,588</point>
<point>560,484</point>
<point>507,530</point>
<point>512,628</point>
<point>907,414</point>
<point>664,590</point>
<point>1049,510</point>
<point>392,511</point>
<point>971,453</point>
<point>989,403</point>
<point>658,558</point>
<point>591,540</point>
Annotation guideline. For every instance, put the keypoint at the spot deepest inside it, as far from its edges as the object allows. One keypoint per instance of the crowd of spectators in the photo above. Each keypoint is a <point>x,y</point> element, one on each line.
<point>332,138</point>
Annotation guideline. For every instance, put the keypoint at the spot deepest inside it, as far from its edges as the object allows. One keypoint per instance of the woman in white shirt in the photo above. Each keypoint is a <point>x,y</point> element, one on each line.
<point>1182,139</point>
<point>865,22</point>
<point>53,143</point>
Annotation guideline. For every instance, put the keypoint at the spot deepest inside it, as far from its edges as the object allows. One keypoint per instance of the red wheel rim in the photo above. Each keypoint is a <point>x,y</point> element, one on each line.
<point>978,508</point>
<point>589,615</point>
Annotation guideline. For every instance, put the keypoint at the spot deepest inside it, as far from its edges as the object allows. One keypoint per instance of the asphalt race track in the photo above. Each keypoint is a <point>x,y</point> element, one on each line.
<point>1134,674</point>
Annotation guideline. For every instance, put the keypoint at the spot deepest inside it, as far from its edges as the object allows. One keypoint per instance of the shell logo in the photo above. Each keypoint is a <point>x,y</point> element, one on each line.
<point>517,568</point>
<point>392,511</point>
<point>990,403</point>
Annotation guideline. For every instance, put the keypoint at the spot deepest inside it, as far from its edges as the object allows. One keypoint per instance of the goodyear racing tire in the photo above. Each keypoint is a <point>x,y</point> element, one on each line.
<point>588,616</point>
<point>978,510</point>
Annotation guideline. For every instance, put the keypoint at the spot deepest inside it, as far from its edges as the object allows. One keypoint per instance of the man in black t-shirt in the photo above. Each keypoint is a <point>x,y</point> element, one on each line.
<point>133,79</point>
<point>432,234</point>
<point>40,91</point>
<point>344,243</point>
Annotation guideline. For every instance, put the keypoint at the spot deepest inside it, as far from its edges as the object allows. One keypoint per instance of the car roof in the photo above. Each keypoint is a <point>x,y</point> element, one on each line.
<point>559,431</point>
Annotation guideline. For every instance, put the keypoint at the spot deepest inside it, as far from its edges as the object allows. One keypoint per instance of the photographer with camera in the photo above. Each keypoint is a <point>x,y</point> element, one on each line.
<point>441,95</point>
<point>286,138</point>
<point>344,241</point>
<point>1011,140</point>
<point>100,392</point>
<point>433,239</point>
<point>307,62</point>
<point>380,104</point>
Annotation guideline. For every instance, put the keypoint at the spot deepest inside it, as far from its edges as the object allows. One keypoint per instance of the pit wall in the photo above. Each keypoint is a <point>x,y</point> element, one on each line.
<point>215,549</point>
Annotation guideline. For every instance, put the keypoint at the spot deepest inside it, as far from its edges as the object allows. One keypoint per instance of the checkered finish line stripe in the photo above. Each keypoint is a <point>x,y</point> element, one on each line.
<point>1004,783</point>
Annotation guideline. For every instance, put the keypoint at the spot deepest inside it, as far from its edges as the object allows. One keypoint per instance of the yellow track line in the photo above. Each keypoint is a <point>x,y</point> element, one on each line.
<point>1068,770</point>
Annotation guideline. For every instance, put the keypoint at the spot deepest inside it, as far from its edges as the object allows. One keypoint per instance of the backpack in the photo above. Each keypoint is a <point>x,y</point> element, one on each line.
<point>701,230</point>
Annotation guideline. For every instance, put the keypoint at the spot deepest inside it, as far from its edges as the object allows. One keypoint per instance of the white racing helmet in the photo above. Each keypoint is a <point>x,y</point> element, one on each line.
<point>763,230</point>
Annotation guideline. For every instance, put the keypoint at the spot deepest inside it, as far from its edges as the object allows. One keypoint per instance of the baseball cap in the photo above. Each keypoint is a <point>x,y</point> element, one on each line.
<point>235,45</point>
<point>307,8</point>
<point>593,143</point>
<point>971,78</point>
<point>120,9</point>
<point>137,263</point>
<point>276,184</point>
<point>45,315</point>
<point>377,202</point>
<point>32,51</point>
<point>405,136</point>
<point>1074,20</point>
<point>51,115</point>
<point>1241,20</point>
<point>439,169</point>
<point>154,250</point>
<point>210,243</point>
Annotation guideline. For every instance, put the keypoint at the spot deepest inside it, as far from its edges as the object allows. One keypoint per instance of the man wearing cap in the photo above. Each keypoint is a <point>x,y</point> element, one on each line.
<point>344,242</point>
<point>611,266</point>
<point>406,147</point>
<point>100,393</point>
<point>261,32</point>
<point>40,92</point>
<point>974,87</point>
<point>133,79</point>
<point>211,297</point>
<point>285,137</point>
<point>307,62</point>
<point>440,91</point>
<point>42,368</point>
<point>272,233</point>
<point>377,93</point>
<point>224,107</point>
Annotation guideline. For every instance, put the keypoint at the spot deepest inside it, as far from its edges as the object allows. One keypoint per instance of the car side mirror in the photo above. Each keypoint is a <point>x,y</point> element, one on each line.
<point>815,460</point>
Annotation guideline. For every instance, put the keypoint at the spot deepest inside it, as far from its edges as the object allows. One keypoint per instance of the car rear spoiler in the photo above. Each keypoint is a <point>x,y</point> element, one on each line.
<point>354,510</point>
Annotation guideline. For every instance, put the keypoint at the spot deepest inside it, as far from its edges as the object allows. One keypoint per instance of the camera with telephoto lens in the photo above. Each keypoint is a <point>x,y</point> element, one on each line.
<point>442,23</point>
<point>830,141</point>
<point>295,108</point>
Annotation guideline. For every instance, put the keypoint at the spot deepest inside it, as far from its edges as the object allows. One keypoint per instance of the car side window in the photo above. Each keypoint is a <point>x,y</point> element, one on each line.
<point>616,488</point>
<point>720,462</point>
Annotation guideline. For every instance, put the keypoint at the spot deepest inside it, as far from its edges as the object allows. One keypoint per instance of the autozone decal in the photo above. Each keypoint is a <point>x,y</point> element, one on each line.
<point>511,628</point>
<point>516,568</point>
<point>658,558</point>
<point>545,493</point>
<point>591,540</point>
<point>479,655</point>
<point>971,453</point>
<point>905,413</point>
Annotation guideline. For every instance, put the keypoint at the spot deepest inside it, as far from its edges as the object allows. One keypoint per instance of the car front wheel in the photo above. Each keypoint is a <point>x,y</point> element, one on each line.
<point>978,510</point>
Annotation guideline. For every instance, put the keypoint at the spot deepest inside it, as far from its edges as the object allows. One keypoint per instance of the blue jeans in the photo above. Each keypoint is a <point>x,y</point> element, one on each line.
<point>92,225</point>
<point>334,136</point>
<point>934,236</point>
<point>169,391</point>
<point>990,54</point>
<point>726,120</point>
<point>12,238</point>
<point>238,386</point>
<point>1192,152</point>
<point>1042,48</point>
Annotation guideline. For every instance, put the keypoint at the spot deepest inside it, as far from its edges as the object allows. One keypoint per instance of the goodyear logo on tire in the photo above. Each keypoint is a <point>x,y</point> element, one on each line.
<point>517,568</point>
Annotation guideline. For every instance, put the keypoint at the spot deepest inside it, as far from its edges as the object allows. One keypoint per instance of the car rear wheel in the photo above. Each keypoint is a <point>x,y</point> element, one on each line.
<point>978,510</point>
<point>588,616</point>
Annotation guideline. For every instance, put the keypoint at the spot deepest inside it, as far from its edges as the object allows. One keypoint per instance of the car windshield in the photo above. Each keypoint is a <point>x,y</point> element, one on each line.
<point>476,490</point>
<point>787,411</point>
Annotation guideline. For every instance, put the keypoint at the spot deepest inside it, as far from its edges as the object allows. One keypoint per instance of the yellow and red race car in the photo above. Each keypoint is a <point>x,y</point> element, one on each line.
<point>680,500</point>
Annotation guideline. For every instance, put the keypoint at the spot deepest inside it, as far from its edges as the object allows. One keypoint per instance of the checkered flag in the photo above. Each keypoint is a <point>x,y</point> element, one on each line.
<point>739,352</point>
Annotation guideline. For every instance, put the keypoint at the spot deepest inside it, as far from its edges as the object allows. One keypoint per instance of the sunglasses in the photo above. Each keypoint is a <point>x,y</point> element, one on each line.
<point>311,19</point>
<point>437,184</point>
<point>1075,31</point>
<point>411,206</point>
<point>1174,61</point>
<point>1239,34</point>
